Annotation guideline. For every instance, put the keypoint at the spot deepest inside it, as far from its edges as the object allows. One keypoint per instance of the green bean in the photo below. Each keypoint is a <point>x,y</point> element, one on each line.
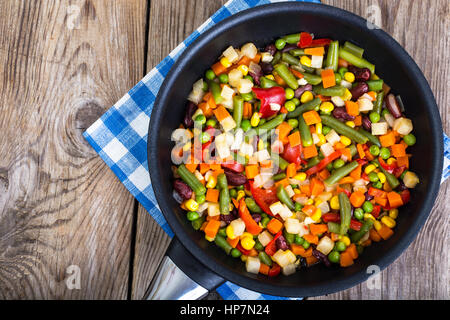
<point>216,91</point>
<point>264,258</point>
<point>267,83</point>
<point>390,178</point>
<point>238,110</point>
<point>272,124</point>
<point>252,206</point>
<point>224,195</point>
<point>222,242</point>
<point>345,211</point>
<point>281,162</point>
<point>308,106</point>
<point>191,180</point>
<point>276,58</point>
<point>284,72</point>
<point>284,197</point>
<point>370,136</point>
<point>279,176</point>
<point>356,61</point>
<point>354,49</point>
<point>305,134</point>
<point>336,90</point>
<point>333,56</point>
<point>292,38</point>
<point>378,104</point>
<point>364,229</point>
<point>343,129</point>
<point>375,85</point>
<point>286,57</point>
<point>297,52</point>
<point>334,227</point>
<point>290,238</point>
<point>341,172</point>
<point>353,150</point>
<point>307,69</point>
<point>312,78</point>
<point>197,224</point>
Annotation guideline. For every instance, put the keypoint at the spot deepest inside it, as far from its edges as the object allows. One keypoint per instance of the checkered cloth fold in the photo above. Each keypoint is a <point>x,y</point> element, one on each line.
<point>120,135</point>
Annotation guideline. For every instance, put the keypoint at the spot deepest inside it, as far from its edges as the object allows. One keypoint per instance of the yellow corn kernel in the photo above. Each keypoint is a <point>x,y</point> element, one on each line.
<point>246,234</point>
<point>247,243</point>
<point>212,182</point>
<point>254,121</point>
<point>393,213</point>
<point>230,232</point>
<point>305,60</point>
<point>317,215</point>
<point>388,221</point>
<point>187,146</point>
<point>317,202</point>
<point>240,195</point>
<point>345,240</point>
<point>326,107</point>
<point>319,128</point>
<point>209,238</point>
<point>243,68</point>
<point>271,77</point>
<point>351,124</point>
<point>347,95</point>
<point>306,97</point>
<point>369,169</point>
<point>369,216</point>
<point>350,77</point>
<point>346,141</point>
<point>300,176</point>
<point>381,176</point>
<point>297,191</point>
<point>377,225</point>
<point>322,139</point>
<point>334,203</point>
<point>225,62</point>
<point>390,161</point>
<point>191,205</point>
<point>310,202</point>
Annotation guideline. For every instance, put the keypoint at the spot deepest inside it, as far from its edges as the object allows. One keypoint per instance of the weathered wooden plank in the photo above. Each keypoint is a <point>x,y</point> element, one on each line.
<point>170,23</point>
<point>62,64</point>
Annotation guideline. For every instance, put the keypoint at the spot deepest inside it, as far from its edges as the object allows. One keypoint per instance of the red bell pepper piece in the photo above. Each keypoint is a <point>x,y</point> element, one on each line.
<point>271,247</point>
<point>233,166</point>
<point>355,224</point>
<point>268,96</point>
<point>397,172</point>
<point>388,167</point>
<point>320,42</point>
<point>274,271</point>
<point>376,211</point>
<point>331,217</point>
<point>292,154</point>
<point>323,163</point>
<point>305,40</point>
<point>406,196</point>
<point>242,250</point>
<point>264,197</point>
<point>250,223</point>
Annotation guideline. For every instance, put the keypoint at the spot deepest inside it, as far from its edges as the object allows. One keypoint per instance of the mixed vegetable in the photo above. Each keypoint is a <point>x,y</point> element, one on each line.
<point>293,155</point>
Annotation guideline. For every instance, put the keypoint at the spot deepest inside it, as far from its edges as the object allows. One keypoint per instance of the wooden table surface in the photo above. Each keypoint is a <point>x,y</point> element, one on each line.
<point>63,212</point>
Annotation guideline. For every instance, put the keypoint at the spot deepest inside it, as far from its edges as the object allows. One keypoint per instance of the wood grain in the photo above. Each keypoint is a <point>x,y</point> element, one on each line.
<point>63,64</point>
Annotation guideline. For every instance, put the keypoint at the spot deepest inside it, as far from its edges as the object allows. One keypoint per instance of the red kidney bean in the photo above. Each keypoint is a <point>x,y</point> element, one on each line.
<point>227,218</point>
<point>341,114</point>
<point>281,243</point>
<point>266,67</point>
<point>359,90</point>
<point>298,93</point>
<point>256,76</point>
<point>392,105</point>
<point>182,189</point>
<point>190,110</point>
<point>319,255</point>
<point>367,124</point>
<point>368,197</point>
<point>235,179</point>
<point>361,74</point>
<point>256,217</point>
<point>289,47</point>
<point>271,49</point>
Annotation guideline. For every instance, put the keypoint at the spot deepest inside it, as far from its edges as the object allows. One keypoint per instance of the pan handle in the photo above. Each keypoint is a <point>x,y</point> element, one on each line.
<point>180,276</point>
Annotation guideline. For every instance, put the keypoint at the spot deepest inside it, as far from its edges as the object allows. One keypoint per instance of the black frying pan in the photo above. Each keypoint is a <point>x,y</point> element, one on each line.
<point>206,263</point>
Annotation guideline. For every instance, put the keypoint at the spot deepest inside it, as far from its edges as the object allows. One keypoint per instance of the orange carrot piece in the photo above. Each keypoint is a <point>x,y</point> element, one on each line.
<point>309,152</point>
<point>204,167</point>
<point>317,229</point>
<point>264,269</point>
<point>221,113</point>
<point>346,259</point>
<point>388,139</point>
<point>247,110</point>
<point>212,195</point>
<point>296,73</point>
<point>284,182</point>
<point>342,63</point>
<point>305,189</point>
<point>235,202</point>
<point>191,166</point>
<point>218,68</point>
<point>352,250</point>
<point>307,253</point>
<point>328,78</point>
<point>335,236</point>
<point>398,150</point>
<point>316,186</point>
<point>324,174</point>
<point>311,238</point>
<point>251,171</point>
<point>403,161</point>
<point>357,199</point>
<point>291,170</point>
<point>274,226</point>
<point>395,200</point>
<point>279,80</point>
<point>212,228</point>
<point>385,232</point>
<point>283,131</point>
<point>352,108</point>
<point>294,139</point>
<point>358,120</point>
<point>311,260</point>
<point>233,242</point>
<point>356,174</point>
<point>317,51</point>
<point>360,150</point>
<point>311,117</point>
<point>381,201</point>
<point>297,249</point>
<point>347,153</point>
<point>346,180</point>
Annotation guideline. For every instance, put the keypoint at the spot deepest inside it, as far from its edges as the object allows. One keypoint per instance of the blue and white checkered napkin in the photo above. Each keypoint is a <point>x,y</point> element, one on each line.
<point>120,135</point>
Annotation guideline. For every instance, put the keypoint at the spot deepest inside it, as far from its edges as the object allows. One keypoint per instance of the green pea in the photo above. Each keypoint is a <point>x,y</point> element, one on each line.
<point>290,106</point>
<point>223,78</point>
<point>211,123</point>
<point>205,86</point>
<point>296,101</point>
<point>340,246</point>
<point>410,139</point>
<point>367,206</point>
<point>325,130</point>
<point>245,125</point>
<point>192,215</point>
<point>298,206</point>
<point>384,112</point>
<point>374,150</point>
<point>233,193</point>
<point>338,78</point>
<point>293,123</point>
<point>200,118</point>
<point>200,198</point>
<point>280,44</point>
<point>205,137</point>
<point>338,163</point>
<point>305,244</point>
<point>235,253</point>
<point>359,213</point>
<point>342,71</point>
<point>377,185</point>
<point>374,117</point>
<point>334,257</point>
<point>298,240</point>
<point>223,232</point>
<point>210,75</point>
<point>289,93</point>
<point>373,177</point>
<point>247,96</point>
<point>385,153</point>
<point>240,187</point>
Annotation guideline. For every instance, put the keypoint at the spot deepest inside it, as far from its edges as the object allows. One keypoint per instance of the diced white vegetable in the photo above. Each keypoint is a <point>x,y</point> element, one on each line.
<point>196,96</point>
<point>389,119</point>
<point>221,146</point>
<point>346,84</point>
<point>316,61</point>
<point>202,207</point>
<point>213,209</point>
<point>332,137</point>
<point>285,213</point>
<point>198,175</point>
<point>326,149</point>
<point>266,57</point>
<point>325,245</point>
<point>324,207</point>
<point>410,179</point>
<point>292,225</point>
<point>290,191</point>
<point>231,54</point>
<point>288,270</point>
<point>284,258</point>
<point>276,207</point>
<point>254,67</point>
<point>238,139</point>
<point>262,155</point>
<point>303,229</point>
<point>234,76</point>
<point>265,237</point>
<point>329,188</point>
<point>180,135</point>
<point>403,126</point>
<point>277,147</point>
<point>365,105</point>
<point>196,113</point>
<point>325,196</point>
<point>246,149</point>
<point>362,189</point>
<point>301,200</point>
<point>338,101</point>
<point>227,92</point>
<point>367,96</point>
<point>275,107</point>
<point>268,184</point>
<point>249,50</point>
<point>238,227</point>
<point>302,82</point>
<point>229,138</point>
<point>252,265</point>
<point>379,128</point>
<point>245,86</point>
<point>360,182</point>
<point>228,124</point>
<point>315,138</point>
<point>308,221</point>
